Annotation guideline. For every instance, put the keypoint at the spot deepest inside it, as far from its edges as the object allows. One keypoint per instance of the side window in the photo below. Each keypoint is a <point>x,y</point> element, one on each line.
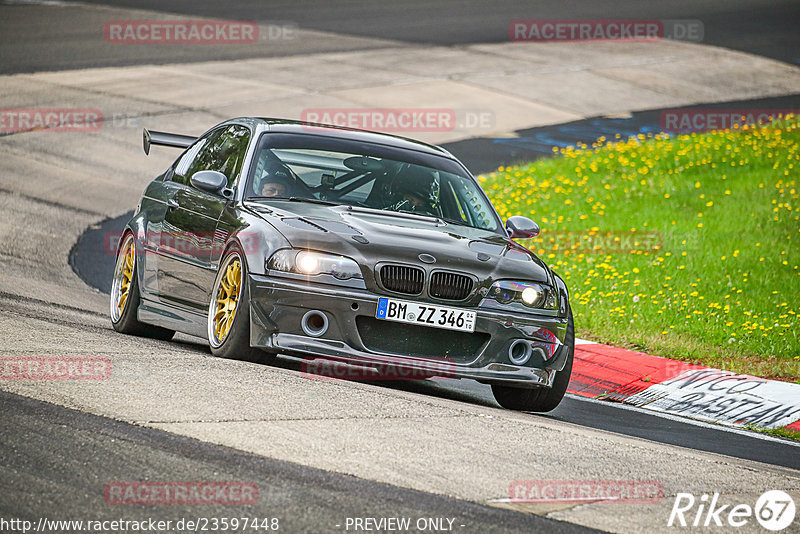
<point>182,165</point>
<point>224,152</point>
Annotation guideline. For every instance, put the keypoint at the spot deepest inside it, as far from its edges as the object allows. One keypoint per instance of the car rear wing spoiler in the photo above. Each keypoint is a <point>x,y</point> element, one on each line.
<point>165,139</point>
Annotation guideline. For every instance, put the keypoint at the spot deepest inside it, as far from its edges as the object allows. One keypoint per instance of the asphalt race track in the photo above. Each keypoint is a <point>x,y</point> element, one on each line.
<point>764,28</point>
<point>323,451</point>
<point>302,498</point>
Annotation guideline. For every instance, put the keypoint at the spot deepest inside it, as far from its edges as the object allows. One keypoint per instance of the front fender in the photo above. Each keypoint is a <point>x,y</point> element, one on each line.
<point>145,225</point>
<point>258,240</point>
<point>563,295</point>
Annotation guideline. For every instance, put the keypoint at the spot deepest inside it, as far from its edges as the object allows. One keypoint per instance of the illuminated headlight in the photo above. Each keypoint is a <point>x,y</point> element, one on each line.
<point>307,262</point>
<point>530,294</point>
<point>314,263</point>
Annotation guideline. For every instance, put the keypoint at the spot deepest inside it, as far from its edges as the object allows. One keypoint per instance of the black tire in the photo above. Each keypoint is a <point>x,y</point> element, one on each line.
<point>125,321</point>
<point>540,399</point>
<point>236,344</point>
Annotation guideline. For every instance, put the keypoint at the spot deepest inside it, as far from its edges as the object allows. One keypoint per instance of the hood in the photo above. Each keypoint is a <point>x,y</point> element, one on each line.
<point>371,237</point>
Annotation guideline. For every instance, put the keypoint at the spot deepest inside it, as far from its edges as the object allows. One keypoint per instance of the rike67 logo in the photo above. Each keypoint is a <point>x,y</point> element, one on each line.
<point>774,510</point>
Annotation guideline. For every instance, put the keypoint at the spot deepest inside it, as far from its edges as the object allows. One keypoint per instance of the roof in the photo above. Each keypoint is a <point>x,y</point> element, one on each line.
<point>340,132</point>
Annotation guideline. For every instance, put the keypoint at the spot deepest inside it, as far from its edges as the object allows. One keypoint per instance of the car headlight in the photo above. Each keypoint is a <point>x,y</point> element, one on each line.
<point>313,263</point>
<point>530,294</point>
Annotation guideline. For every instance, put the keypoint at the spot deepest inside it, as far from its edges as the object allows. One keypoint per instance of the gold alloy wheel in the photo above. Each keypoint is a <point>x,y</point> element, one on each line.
<point>123,279</point>
<point>227,299</point>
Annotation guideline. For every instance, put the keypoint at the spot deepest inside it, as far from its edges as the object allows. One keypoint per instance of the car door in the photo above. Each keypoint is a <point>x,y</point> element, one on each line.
<point>156,212</point>
<point>188,251</point>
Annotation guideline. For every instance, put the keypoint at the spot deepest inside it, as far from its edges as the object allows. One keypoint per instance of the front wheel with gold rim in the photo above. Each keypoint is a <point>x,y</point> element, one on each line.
<point>229,311</point>
<point>125,295</point>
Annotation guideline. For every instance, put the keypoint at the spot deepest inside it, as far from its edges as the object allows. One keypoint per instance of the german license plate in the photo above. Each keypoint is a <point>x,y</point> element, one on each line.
<point>425,314</point>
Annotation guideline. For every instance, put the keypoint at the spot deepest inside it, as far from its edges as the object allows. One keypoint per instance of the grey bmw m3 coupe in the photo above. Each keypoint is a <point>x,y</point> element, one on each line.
<point>270,236</point>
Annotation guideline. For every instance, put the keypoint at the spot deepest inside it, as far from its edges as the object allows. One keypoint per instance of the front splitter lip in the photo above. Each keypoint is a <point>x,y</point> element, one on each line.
<point>277,308</point>
<point>310,348</point>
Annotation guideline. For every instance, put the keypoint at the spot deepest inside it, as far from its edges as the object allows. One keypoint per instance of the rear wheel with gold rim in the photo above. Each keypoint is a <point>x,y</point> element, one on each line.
<point>229,311</point>
<point>125,295</point>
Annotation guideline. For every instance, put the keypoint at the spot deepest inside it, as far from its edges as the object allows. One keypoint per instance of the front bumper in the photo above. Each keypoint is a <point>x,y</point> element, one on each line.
<point>277,308</point>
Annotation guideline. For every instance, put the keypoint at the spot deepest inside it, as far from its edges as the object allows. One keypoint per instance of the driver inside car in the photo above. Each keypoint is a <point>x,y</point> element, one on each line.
<point>416,190</point>
<point>276,181</point>
<point>273,186</point>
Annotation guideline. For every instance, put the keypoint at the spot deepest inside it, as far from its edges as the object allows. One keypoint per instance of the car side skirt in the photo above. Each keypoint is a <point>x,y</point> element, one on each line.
<point>173,318</point>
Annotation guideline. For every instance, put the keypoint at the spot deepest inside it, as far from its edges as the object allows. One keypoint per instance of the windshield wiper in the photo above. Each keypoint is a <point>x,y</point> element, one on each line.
<point>401,213</point>
<point>457,222</point>
<point>420,214</point>
<point>440,219</point>
<point>298,199</point>
<point>315,201</point>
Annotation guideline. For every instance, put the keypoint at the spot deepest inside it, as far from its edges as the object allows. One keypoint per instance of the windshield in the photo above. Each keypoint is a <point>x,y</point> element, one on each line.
<point>317,168</point>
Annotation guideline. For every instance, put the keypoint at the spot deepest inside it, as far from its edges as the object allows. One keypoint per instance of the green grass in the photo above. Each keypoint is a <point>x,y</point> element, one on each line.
<point>685,247</point>
<point>780,432</point>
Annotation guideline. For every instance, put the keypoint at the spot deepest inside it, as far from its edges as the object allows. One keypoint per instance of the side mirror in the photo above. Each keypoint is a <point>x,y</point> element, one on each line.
<point>211,181</point>
<point>521,227</point>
